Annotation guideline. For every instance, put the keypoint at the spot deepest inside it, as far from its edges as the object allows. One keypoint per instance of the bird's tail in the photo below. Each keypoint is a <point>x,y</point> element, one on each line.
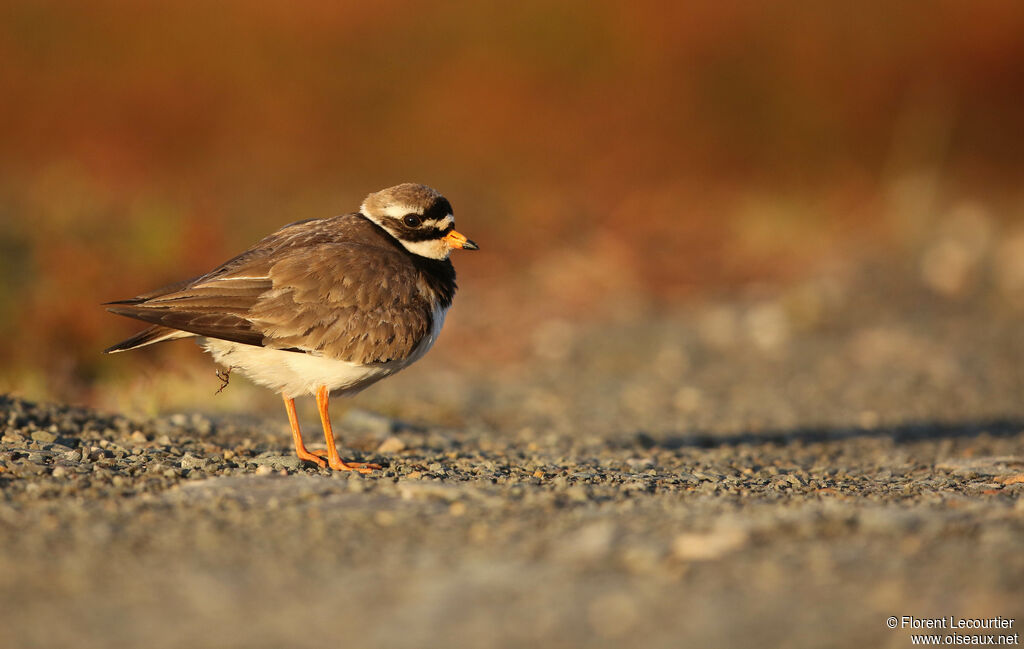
<point>154,334</point>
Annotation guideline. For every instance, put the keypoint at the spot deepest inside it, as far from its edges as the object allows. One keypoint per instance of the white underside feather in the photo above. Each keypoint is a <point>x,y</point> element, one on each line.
<point>296,373</point>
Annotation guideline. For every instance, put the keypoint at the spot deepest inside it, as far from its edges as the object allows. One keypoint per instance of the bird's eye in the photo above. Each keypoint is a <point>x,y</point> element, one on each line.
<point>412,220</point>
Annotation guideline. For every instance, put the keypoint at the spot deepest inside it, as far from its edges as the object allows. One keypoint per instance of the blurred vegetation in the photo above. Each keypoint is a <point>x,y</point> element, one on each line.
<point>608,156</point>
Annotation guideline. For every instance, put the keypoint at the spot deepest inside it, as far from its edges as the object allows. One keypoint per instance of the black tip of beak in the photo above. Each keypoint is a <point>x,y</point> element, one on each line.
<point>469,245</point>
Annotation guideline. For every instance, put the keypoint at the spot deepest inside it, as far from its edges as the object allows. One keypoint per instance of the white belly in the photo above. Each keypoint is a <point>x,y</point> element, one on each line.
<point>295,373</point>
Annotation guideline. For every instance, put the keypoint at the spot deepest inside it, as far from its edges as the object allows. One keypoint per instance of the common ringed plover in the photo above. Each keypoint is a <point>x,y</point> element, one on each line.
<point>322,306</point>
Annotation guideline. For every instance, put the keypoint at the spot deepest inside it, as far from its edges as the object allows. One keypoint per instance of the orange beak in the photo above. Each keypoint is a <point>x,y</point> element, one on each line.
<point>456,240</point>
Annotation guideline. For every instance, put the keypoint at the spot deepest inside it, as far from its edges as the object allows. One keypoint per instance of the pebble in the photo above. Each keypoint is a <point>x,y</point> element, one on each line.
<point>709,545</point>
<point>391,445</point>
<point>189,461</point>
<point>274,461</point>
<point>44,436</point>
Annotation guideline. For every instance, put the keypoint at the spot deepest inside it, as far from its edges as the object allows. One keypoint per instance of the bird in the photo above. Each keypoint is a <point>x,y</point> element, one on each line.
<point>324,306</point>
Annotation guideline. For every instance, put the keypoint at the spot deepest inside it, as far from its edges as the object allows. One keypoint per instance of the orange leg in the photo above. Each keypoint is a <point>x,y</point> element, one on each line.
<point>333,460</point>
<point>300,448</point>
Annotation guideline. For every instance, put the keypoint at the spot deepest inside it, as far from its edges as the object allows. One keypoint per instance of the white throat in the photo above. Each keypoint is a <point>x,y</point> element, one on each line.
<point>431,248</point>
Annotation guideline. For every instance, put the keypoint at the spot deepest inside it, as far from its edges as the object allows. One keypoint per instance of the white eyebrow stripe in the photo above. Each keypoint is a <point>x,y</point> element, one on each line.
<point>398,211</point>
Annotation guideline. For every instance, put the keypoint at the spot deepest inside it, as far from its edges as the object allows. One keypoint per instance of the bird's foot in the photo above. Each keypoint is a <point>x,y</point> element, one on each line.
<point>341,465</point>
<point>361,467</point>
<point>311,457</point>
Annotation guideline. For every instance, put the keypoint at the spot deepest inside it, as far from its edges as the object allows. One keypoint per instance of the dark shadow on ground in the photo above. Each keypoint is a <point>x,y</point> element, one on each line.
<point>900,434</point>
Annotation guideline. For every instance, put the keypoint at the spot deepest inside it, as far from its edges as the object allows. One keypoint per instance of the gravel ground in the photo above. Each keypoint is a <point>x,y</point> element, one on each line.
<point>788,470</point>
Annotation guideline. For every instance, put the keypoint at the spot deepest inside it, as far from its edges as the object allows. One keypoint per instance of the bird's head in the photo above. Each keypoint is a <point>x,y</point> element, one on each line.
<point>418,217</point>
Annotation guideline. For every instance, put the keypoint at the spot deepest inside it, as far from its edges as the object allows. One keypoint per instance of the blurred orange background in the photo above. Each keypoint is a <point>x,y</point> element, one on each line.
<point>611,158</point>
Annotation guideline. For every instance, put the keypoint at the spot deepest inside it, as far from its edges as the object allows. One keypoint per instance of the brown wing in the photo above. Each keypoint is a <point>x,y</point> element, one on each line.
<point>302,289</point>
<point>350,302</point>
<point>205,309</point>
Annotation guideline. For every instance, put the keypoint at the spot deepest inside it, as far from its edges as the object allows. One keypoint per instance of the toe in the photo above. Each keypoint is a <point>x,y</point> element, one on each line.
<point>309,457</point>
<point>361,467</point>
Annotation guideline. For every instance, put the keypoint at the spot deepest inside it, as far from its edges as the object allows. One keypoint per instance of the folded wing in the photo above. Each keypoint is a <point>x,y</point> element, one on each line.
<point>344,300</point>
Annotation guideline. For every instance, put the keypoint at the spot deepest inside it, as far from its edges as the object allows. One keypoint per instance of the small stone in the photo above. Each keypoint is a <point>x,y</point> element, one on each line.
<point>264,469</point>
<point>28,469</point>
<point>13,437</point>
<point>44,436</point>
<point>457,508</point>
<point>138,437</point>
<point>709,545</point>
<point>190,461</point>
<point>590,543</point>
<point>391,445</point>
<point>275,462</point>
<point>59,472</point>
